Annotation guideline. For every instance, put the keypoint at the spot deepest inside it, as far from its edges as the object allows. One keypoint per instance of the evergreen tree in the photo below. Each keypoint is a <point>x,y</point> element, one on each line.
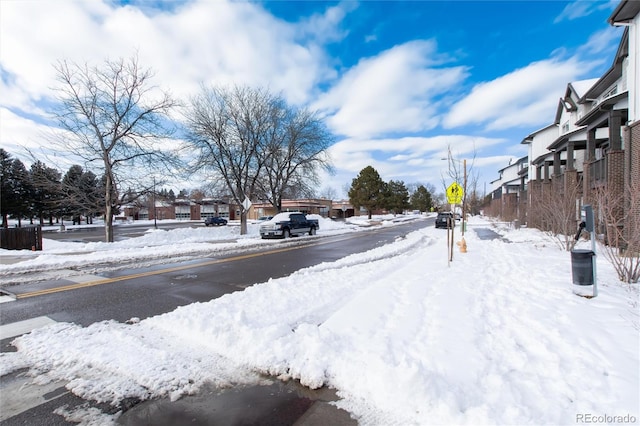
<point>421,199</point>
<point>367,190</point>
<point>16,188</point>
<point>397,196</point>
<point>5,186</point>
<point>93,195</point>
<point>46,193</point>
<point>83,194</point>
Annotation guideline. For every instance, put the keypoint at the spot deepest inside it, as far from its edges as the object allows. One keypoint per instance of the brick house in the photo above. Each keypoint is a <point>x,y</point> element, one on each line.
<point>308,205</point>
<point>509,192</point>
<point>594,140</point>
<point>627,14</point>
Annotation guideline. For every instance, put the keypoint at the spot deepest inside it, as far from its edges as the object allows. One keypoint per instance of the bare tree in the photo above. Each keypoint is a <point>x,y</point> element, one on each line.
<point>114,118</point>
<point>459,171</point>
<point>621,231</point>
<point>256,144</point>
<point>474,199</point>
<point>328,193</point>
<point>227,128</point>
<point>557,211</point>
<point>296,149</point>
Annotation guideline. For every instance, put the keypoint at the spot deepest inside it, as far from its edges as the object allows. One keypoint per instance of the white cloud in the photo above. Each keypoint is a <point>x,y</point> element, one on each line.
<point>201,41</point>
<point>524,97</point>
<point>581,8</point>
<point>404,90</point>
<point>575,10</point>
<point>325,27</point>
<point>396,91</point>
<point>410,159</point>
<point>18,134</point>
<point>602,41</point>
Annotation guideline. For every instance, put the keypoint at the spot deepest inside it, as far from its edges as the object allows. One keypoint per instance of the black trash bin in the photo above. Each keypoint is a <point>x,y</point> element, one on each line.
<point>582,266</point>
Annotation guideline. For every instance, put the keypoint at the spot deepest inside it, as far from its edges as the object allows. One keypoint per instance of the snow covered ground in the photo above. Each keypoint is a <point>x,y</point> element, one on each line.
<point>157,244</point>
<point>495,337</point>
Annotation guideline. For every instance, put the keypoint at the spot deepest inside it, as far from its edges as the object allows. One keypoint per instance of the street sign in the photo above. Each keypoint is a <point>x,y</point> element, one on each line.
<point>246,203</point>
<point>455,193</point>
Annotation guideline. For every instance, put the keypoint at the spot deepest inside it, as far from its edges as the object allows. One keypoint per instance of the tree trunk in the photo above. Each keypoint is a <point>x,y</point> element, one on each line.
<point>108,223</point>
<point>243,221</point>
<point>108,214</point>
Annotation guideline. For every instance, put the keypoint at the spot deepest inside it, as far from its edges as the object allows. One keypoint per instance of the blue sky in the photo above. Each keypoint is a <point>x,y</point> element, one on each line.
<point>398,82</point>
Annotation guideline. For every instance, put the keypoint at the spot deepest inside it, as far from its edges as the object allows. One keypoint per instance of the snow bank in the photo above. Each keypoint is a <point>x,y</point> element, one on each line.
<point>494,337</point>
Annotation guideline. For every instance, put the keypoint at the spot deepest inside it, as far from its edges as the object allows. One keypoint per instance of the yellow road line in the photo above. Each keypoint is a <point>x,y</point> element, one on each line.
<point>159,271</point>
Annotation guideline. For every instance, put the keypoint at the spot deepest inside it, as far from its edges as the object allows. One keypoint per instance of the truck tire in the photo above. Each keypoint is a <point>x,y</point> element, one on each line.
<point>312,231</point>
<point>286,233</point>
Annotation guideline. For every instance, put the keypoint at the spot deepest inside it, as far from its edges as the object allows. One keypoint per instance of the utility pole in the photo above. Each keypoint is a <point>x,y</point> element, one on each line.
<point>464,196</point>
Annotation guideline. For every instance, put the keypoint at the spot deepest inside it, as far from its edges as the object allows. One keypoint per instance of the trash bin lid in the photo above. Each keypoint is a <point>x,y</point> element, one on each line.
<point>582,253</point>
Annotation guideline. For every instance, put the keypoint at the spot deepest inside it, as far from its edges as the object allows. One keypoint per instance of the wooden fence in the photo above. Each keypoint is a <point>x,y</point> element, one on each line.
<point>25,238</point>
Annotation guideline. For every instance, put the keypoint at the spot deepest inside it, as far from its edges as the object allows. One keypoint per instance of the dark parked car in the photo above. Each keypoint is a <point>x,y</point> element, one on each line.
<point>215,221</point>
<point>443,220</point>
<point>287,224</point>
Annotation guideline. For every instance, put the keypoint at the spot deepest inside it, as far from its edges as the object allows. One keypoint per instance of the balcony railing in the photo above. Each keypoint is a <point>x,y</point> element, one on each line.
<point>597,172</point>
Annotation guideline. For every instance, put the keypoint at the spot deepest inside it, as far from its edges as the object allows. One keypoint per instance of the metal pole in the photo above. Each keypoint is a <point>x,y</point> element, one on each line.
<point>155,223</point>
<point>464,196</point>
<point>593,249</point>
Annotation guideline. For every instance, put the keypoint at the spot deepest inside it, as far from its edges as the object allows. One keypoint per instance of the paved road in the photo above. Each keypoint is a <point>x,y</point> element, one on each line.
<point>141,293</point>
<point>120,231</point>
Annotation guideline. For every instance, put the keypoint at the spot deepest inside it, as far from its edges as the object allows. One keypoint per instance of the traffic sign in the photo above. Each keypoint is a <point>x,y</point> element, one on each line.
<point>455,193</point>
<point>246,203</point>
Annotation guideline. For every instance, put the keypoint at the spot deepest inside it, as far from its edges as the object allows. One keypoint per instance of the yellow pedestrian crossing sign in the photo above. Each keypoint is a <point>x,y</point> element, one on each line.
<point>455,193</point>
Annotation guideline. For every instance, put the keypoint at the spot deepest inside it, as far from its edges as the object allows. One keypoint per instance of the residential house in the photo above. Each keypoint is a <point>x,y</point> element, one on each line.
<point>594,140</point>
<point>318,206</point>
<point>557,155</point>
<point>508,192</point>
<point>627,14</point>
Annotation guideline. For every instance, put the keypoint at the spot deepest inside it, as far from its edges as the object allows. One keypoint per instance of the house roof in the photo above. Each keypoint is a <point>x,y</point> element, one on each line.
<point>515,163</point>
<point>529,138</point>
<point>613,74</point>
<point>541,159</point>
<point>524,171</point>
<point>576,88</point>
<point>626,11</point>
<point>582,86</point>
<point>602,107</point>
<point>562,141</point>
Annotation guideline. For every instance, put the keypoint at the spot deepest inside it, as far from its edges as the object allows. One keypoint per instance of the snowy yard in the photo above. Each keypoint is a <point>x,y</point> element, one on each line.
<point>495,337</point>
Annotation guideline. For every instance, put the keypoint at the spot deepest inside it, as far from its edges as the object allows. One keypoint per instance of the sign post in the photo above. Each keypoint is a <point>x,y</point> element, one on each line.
<point>455,195</point>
